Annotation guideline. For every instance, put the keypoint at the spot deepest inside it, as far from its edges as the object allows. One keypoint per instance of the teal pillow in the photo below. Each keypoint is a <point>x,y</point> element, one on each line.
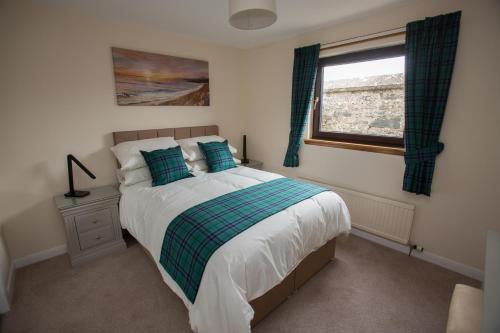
<point>217,155</point>
<point>166,165</point>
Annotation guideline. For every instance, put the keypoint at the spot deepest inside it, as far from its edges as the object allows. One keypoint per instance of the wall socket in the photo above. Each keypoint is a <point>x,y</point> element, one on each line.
<point>417,248</point>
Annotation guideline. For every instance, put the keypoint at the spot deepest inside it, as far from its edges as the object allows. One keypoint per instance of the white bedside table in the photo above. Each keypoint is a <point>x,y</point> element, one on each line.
<point>253,164</point>
<point>92,223</point>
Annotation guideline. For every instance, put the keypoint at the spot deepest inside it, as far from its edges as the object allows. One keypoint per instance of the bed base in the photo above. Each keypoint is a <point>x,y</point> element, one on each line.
<point>307,268</point>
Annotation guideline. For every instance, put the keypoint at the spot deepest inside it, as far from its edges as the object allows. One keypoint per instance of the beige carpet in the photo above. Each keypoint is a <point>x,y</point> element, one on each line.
<point>368,288</point>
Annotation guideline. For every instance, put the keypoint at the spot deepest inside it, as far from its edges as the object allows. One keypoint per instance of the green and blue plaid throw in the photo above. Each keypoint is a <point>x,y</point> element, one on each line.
<point>194,235</point>
<point>166,165</point>
<point>217,155</point>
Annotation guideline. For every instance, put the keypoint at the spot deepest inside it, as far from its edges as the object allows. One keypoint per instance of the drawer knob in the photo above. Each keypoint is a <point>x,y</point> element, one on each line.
<point>98,237</point>
<point>95,221</point>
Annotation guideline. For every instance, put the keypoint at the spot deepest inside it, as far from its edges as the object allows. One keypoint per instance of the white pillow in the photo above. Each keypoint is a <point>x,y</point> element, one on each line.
<point>201,165</point>
<point>129,155</point>
<point>190,146</point>
<point>131,177</point>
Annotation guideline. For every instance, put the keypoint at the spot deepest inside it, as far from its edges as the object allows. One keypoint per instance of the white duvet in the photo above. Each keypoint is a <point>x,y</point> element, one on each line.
<point>248,265</point>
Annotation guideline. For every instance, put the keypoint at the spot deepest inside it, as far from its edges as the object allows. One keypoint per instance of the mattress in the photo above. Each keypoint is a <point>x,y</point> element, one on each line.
<point>248,265</point>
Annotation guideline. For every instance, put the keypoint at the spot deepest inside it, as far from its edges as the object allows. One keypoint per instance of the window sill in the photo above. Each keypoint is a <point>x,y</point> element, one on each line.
<point>356,146</point>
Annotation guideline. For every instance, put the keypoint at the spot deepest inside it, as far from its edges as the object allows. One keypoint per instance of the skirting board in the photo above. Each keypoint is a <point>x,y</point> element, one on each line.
<point>454,266</point>
<point>39,256</point>
<point>28,260</point>
<point>426,256</point>
<point>10,283</point>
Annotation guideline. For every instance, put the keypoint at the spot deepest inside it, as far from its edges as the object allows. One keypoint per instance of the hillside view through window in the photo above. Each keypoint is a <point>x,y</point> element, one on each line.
<point>364,98</point>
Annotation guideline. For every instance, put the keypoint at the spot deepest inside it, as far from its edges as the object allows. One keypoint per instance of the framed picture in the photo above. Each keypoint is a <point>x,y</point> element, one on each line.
<point>143,78</point>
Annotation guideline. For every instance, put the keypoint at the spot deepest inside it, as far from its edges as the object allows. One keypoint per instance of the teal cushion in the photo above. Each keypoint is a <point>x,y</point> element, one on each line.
<point>217,155</point>
<point>166,165</point>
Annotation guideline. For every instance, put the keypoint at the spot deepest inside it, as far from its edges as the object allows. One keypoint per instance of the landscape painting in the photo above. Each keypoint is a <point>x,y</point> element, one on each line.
<point>143,78</point>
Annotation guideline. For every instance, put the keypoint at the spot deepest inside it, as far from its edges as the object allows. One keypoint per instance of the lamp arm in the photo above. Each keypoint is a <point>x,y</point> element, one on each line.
<point>87,171</point>
<point>72,193</point>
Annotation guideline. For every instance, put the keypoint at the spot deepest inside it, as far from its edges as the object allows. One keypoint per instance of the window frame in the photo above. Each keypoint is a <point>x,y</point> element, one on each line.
<point>357,56</point>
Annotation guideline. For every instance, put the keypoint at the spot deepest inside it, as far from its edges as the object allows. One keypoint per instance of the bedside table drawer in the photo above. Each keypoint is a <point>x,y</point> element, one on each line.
<point>96,237</point>
<point>97,219</point>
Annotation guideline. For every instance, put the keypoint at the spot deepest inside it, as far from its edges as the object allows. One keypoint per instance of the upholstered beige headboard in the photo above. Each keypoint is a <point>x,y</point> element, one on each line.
<point>177,133</point>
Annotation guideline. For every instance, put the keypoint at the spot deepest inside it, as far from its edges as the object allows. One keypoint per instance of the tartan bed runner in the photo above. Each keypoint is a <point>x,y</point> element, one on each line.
<point>194,235</point>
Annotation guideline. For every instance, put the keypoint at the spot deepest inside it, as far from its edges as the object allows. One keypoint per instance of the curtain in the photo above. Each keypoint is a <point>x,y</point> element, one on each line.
<point>305,65</point>
<point>430,55</point>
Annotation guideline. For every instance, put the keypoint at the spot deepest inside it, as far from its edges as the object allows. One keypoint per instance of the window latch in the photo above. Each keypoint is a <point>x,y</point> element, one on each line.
<point>316,100</point>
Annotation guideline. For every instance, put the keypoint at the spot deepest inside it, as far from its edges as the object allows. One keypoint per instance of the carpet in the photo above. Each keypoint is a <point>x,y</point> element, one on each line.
<point>367,288</point>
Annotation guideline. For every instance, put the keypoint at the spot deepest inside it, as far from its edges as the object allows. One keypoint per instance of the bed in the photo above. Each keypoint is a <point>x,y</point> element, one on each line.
<point>255,271</point>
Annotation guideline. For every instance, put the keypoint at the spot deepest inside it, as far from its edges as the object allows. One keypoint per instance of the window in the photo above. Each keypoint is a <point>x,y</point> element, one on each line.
<point>359,97</point>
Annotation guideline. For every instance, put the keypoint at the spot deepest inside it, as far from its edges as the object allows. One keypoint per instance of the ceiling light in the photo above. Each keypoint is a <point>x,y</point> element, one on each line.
<point>252,14</point>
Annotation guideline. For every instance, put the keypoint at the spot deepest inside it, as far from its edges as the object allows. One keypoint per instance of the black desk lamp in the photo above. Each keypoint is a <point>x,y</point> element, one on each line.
<point>245,160</point>
<point>72,192</point>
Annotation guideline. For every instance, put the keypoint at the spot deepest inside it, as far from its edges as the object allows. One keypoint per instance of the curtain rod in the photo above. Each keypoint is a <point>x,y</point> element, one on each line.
<point>365,38</point>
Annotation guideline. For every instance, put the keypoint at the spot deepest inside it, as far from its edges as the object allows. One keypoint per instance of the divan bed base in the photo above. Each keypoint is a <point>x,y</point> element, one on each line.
<point>307,268</point>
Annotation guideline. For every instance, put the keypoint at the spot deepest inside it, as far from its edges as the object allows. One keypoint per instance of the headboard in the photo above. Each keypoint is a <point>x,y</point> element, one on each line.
<point>177,133</point>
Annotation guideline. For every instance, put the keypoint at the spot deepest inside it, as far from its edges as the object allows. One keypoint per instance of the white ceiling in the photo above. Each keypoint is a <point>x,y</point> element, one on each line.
<point>208,19</point>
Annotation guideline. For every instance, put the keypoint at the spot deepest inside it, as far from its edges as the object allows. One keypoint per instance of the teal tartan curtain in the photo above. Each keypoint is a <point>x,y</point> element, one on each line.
<point>305,65</point>
<point>430,55</point>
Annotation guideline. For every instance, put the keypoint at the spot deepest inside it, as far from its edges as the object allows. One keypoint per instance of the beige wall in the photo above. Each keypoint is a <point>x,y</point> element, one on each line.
<point>57,97</point>
<point>465,200</point>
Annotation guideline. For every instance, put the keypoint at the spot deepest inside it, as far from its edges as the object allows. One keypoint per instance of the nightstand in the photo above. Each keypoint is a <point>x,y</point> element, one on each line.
<point>92,223</point>
<point>253,164</point>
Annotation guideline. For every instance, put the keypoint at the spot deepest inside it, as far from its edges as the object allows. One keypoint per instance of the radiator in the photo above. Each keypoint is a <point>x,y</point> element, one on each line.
<point>382,217</point>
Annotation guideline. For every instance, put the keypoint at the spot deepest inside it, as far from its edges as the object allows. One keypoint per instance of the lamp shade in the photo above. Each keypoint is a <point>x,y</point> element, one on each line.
<point>252,14</point>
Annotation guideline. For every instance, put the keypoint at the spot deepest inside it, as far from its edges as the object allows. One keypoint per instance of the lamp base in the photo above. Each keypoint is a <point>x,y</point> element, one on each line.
<point>77,194</point>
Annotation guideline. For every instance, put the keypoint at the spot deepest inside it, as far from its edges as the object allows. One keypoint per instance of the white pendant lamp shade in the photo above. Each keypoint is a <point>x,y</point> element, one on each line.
<point>252,14</point>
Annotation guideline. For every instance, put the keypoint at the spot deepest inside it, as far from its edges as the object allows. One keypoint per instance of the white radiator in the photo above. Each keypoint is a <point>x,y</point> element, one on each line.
<point>382,217</point>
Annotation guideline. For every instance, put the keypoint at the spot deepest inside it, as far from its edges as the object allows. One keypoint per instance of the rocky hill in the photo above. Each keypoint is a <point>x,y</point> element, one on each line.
<point>372,105</point>
<point>376,80</point>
